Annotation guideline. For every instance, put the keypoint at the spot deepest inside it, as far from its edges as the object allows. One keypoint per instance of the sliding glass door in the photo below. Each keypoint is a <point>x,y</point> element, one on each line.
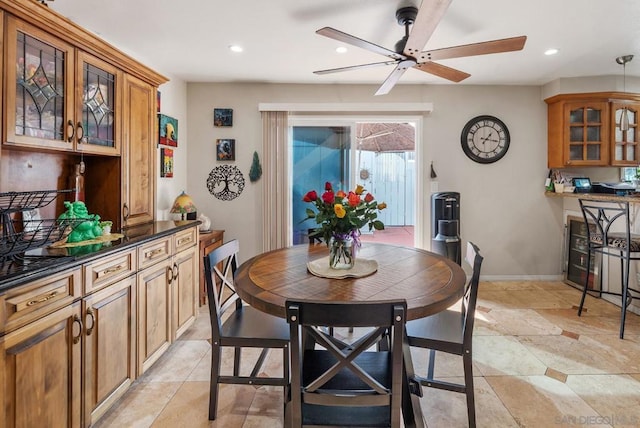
<point>377,153</point>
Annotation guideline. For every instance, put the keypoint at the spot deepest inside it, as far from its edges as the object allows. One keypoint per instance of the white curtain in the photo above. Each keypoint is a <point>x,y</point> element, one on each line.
<point>275,183</point>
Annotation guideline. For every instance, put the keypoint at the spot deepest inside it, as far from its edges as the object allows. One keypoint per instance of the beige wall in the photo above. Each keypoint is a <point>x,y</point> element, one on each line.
<point>503,207</point>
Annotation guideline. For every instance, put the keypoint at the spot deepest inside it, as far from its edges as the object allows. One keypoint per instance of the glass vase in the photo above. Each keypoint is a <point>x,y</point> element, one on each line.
<point>342,252</point>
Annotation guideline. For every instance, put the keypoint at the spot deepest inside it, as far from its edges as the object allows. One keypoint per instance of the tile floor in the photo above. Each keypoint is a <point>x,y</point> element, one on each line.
<point>537,364</point>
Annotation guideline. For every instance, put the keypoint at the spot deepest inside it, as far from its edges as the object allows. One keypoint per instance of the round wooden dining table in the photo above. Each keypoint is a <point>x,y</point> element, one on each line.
<point>428,282</point>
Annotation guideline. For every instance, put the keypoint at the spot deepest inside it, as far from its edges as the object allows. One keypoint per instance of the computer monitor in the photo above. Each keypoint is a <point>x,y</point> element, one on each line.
<point>582,184</point>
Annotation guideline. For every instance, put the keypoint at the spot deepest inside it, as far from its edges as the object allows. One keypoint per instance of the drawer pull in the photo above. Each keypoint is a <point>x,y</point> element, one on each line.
<point>110,270</point>
<point>183,241</point>
<point>170,274</point>
<point>151,254</point>
<point>44,299</point>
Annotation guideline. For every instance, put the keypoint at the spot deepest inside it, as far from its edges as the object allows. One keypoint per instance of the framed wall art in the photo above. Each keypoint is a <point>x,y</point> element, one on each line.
<point>222,117</point>
<point>168,130</point>
<point>166,162</point>
<point>225,149</point>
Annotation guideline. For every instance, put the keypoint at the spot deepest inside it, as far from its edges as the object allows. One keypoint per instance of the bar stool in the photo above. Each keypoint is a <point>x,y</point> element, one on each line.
<point>609,233</point>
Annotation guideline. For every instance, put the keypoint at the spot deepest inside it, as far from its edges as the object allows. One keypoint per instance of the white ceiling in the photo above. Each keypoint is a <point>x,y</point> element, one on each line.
<point>189,39</point>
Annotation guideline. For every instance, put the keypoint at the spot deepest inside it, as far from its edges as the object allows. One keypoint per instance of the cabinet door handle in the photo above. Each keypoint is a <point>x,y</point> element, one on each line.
<point>125,211</point>
<point>170,273</point>
<point>90,313</point>
<point>176,272</point>
<point>76,319</point>
<point>80,132</point>
<point>70,131</point>
<point>43,299</point>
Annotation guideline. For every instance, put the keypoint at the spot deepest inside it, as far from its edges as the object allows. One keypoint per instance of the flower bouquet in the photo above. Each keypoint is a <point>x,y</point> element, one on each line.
<point>340,217</point>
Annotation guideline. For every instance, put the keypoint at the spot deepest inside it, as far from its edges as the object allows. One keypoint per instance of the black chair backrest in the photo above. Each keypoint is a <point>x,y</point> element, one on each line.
<point>608,224</point>
<point>315,236</point>
<point>470,297</point>
<point>220,267</point>
<point>345,379</point>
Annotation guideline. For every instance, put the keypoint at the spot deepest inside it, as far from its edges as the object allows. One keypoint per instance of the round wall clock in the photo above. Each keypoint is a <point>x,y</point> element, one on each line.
<point>485,139</point>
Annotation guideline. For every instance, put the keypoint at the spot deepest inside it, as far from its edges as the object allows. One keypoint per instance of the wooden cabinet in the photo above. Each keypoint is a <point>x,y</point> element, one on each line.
<point>109,347</point>
<point>154,315</point>
<point>58,97</point>
<point>184,282</point>
<point>625,144</point>
<point>42,371</point>
<point>209,241</point>
<point>109,338</point>
<point>583,130</point>
<point>140,136</point>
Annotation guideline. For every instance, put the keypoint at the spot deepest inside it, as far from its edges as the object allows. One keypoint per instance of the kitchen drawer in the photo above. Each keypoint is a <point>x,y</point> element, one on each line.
<point>108,270</point>
<point>21,305</point>
<point>153,252</point>
<point>185,239</point>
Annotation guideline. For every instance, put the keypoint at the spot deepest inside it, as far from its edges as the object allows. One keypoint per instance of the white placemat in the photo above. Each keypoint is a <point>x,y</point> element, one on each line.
<point>362,267</point>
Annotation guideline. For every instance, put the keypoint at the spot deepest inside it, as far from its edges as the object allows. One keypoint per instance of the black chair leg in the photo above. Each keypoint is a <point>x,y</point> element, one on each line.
<point>213,387</point>
<point>432,362</point>
<point>625,292</point>
<point>468,382</point>
<point>586,284</point>
<point>236,361</point>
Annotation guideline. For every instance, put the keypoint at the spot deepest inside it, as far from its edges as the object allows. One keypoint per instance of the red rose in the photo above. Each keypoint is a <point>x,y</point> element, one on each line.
<point>310,196</point>
<point>368,197</point>
<point>328,197</point>
<point>354,199</point>
<point>327,186</point>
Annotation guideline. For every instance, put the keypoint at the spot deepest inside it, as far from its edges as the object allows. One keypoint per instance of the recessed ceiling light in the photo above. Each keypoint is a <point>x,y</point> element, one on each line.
<point>236,48</point>
<point>341,49</point>
<point>551,51</point>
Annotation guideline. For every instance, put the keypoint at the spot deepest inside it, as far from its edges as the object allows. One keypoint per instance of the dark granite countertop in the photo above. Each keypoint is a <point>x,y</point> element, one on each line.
<point>45,261</point>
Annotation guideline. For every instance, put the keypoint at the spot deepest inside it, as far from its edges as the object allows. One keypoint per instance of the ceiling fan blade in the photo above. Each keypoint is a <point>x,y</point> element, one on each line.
<point>483,48</point>
<point>395,75</point>
<point>355,67</point>
<point>341,36</point>
<point>429,16</point>
<point>442,71</point>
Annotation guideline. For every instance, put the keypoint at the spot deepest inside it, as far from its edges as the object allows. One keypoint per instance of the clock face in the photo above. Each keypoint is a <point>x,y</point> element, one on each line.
<point>485,139</point>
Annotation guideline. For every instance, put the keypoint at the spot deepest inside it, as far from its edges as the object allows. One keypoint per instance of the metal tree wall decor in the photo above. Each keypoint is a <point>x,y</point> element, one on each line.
<point>225,182</point>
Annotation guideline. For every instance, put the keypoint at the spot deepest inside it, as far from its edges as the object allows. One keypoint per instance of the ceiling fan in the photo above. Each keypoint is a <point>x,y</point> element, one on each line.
<point>419,25</point>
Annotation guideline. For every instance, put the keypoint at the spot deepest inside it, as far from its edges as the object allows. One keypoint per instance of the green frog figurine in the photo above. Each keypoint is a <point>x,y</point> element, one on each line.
<point>87,225</point>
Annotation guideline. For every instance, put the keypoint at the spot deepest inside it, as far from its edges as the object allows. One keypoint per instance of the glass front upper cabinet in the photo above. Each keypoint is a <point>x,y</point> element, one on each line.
<point>586,142</point>
<point>43,92</point>
<point>624,144</point>
<point>64,99</point>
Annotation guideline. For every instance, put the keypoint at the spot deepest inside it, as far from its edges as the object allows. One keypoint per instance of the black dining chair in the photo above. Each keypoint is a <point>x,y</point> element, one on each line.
<point>609,234</point>
<point>237,325</point>
<point>334,383</point>
<point>451,332</point>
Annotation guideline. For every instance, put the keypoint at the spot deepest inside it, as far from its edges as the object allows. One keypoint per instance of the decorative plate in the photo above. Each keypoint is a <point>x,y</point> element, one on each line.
<point>362,268</point>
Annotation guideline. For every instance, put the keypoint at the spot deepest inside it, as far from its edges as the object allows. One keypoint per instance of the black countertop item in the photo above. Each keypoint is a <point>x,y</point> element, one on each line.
<point>41,262</point>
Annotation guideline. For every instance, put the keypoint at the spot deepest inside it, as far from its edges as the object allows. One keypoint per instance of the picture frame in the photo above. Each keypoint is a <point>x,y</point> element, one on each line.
<point>222,117</point>
<point>226,149</point>
<point>168,131</point>
<point>158,100</point>
<point>166,162</point>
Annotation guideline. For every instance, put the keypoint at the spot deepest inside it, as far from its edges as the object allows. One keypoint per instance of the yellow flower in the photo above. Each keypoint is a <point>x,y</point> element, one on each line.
<point>339,210</point>
<point>359,190</point>
<point>382,206</point>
